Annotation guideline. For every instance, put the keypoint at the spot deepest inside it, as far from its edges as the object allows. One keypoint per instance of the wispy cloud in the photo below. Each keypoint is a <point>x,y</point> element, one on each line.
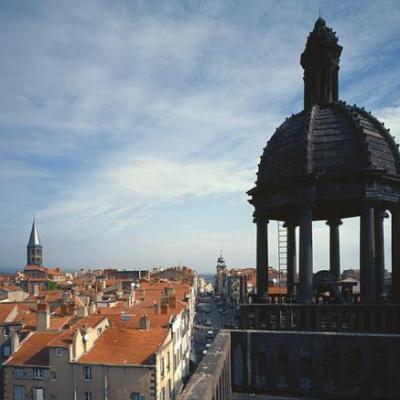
<point>117,114</point>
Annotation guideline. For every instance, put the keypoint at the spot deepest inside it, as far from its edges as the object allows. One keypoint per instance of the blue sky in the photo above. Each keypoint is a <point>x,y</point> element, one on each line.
<point>133,129</point>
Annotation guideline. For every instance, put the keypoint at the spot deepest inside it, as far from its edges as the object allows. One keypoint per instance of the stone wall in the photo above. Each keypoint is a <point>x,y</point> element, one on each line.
<point>315,364</point>
<point>212,378</point>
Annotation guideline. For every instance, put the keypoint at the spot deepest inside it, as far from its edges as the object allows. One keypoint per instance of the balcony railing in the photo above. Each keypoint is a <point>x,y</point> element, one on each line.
<point>381,318</point>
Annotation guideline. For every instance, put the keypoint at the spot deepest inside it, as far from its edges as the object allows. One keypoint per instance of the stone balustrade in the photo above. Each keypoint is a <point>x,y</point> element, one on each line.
<point>380,318</point>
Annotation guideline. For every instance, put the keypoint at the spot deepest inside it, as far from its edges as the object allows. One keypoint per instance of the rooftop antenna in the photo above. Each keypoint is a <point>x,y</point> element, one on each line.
<point>319,11</point>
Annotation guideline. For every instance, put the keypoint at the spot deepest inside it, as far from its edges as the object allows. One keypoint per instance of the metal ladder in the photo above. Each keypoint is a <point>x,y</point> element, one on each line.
<point>282,273</point>
<point>282,254</point>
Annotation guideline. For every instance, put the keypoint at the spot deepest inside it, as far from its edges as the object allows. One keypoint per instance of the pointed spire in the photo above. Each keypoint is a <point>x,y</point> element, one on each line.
<point>34,237</point>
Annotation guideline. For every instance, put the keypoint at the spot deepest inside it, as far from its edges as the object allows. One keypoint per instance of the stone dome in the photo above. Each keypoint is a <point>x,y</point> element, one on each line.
<point>329,141</point>
<point>332,155</point>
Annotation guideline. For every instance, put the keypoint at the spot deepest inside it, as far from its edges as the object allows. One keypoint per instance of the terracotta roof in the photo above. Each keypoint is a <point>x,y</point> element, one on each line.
<point>5,310</point>
<point>54,273</point>
<point>11,288</point>
<point>276,290</point>
<point>33,350</point>
<point>28,317</point>
<point>65,338</point>
<point>37,279</point>
<point>119,346</point>
<point>35,268</point>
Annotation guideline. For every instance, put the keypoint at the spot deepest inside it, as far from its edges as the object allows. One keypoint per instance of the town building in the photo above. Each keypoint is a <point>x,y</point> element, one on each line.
<point>68,347</point>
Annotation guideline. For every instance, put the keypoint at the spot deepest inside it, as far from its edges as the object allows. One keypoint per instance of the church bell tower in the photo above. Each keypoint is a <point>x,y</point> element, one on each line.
<point>34,248</point>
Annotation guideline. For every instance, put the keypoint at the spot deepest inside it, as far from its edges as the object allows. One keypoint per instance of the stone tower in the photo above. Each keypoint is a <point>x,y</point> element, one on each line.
<point>221,277</point>
<point>34,247</point>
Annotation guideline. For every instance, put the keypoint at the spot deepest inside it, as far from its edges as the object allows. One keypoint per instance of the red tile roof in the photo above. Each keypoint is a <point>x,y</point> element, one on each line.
<point>11,288</point>
<point>125,346</point>
<point>34,268</point>
<point>5,311</point>
<point>65,338</point>
<point>33,350</point>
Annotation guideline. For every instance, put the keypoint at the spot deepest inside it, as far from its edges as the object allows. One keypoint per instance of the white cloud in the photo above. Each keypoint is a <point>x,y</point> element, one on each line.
<point>114,112</point>
<point>124,194</point>
<point>391,118</point>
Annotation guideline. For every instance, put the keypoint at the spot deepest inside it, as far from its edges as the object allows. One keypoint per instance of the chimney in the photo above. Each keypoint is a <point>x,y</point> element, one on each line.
<point>82,311</point>
<point>92,308</point>
<point>42,317</point>
<point>71,308</point>
<point>64,309</point>
<point>144,322</point>
<point>164,308</point>
<point>156,307</point>
<point>65,297</point>
<point>172,301</point>
<point>14,342</point>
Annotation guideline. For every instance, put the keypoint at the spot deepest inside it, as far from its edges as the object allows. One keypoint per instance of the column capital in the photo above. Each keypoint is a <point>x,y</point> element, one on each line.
<point>291,223</point>
<point>334,222</point>
<point>369,203</point>
<point>306,204</point>
<point>257,218</point>
<point>382,214</point>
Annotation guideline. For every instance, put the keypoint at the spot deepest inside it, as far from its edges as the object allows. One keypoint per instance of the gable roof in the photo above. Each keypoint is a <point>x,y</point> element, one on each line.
<point>118,346</point>
<point>5,311</point>
<point>34,350</point>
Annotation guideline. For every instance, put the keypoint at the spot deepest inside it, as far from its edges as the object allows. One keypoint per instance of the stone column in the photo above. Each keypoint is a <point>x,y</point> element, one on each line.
<point>334,246</point>
<point>291,258</point>
<point>367,254</point>
<point>262,259</point>
<point>380,254</point>
<point>305,294</point>
<point>396,254</point>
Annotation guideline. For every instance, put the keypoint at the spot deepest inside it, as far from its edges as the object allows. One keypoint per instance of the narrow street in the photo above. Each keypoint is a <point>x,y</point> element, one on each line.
<point>208,322</point>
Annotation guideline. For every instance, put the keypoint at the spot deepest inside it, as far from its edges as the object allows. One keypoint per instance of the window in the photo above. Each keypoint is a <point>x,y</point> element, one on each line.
<point>162,367</point>
<point>168,362</point>
<point>6,350</point>
<point>39,373</point>
<point>87,396</point>
<point>59,351</point>
<point>19,392</point>
<point>137,396</point>
<point>37,394</point>
<point>53,375</point>
<point>19,373</point>
<point>87,373</point>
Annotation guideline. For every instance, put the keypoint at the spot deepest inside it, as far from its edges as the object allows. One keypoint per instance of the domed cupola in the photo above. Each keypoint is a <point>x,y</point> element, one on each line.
<point>333,152</point>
